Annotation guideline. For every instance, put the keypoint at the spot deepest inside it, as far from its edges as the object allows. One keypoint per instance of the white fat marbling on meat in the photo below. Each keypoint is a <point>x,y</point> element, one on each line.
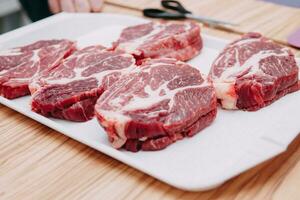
<point>137,103</point>
<point>3,72</point>
<point>98,76</point>
<point>225,92</point>
<point>119,117</point>
<point>187,26</point>
<point>10,52</point>
<point>132,45</point>
<point>143,139</point>
<point>32,61</point>
<point>35,56</point>
<point>252,62</point>
<point>225,83</point>
<point>120,122</point>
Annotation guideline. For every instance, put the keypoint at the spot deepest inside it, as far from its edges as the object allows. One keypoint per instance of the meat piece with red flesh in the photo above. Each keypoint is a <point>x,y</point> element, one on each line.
<point>165,39</point>
<point>70,90</point>
<point>19,65</point>
<point>252,72</point>
<point>155,105</point>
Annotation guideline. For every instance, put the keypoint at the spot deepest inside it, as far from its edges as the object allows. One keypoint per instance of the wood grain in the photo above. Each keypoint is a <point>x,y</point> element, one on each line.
<point>39,163</point>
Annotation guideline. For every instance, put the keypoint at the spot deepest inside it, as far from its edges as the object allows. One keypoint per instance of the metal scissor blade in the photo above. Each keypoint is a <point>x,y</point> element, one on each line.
<point>209,21</point>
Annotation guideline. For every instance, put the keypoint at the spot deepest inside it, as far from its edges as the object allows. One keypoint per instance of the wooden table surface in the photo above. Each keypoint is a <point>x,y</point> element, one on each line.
<point>39,163</point>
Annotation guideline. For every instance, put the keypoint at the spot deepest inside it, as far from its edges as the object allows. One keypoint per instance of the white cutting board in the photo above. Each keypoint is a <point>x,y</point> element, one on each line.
<point>235,142</point>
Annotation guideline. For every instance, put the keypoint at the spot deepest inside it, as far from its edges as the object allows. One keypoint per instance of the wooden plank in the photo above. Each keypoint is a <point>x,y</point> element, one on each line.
<point>39,163</point>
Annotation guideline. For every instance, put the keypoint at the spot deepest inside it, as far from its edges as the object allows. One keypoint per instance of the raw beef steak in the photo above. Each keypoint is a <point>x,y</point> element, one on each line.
<point>19,65</point>
<point>154,40</point>
<point>252,72</point>
<point>162,101</point>
<point>70,90</point>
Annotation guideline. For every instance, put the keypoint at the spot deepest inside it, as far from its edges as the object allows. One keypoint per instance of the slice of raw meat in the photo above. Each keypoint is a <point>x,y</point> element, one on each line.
<point>165,39</point>
<point>19,65</point>
<point>162,101</point>
<point>252,72</point>
<point>70,90</point>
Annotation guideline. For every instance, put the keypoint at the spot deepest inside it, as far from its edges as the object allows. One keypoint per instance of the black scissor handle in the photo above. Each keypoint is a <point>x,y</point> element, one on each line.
<point>174,5</point>
<point>157,13</point>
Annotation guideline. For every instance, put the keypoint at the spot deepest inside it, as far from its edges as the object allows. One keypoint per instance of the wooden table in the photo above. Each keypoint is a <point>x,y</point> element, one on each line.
<point>39,163</point>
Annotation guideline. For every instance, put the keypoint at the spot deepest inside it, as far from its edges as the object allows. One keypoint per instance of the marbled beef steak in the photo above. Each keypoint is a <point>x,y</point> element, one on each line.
<point>19,65</point>
<point>252,72</point>
<point>70,90</point>
<point>165,39</point>
<point>160,102</point>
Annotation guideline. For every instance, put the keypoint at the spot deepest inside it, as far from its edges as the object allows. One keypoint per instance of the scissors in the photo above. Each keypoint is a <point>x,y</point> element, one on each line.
<point>180,13</point>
